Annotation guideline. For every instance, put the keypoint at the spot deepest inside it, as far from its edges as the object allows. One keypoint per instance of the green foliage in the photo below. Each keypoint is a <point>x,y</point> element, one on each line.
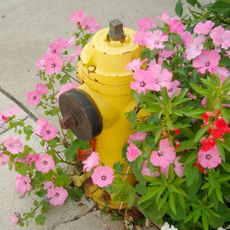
<point>71,151</point>
<point>122,191</point>
<point>40,220</point>
<point>179,8</point>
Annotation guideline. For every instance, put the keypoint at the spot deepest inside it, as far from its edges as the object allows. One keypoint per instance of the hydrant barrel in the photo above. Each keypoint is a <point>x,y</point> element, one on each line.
<point>98,106</point>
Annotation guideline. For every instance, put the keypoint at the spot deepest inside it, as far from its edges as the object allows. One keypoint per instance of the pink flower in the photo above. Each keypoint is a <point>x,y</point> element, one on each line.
<point>220,37</point>
<point>30,158</point>
<point>44,163</point>
<point>194,48</point>
<point>55,48</point>
<point>204,102</point>
<point>41,63</point>
<point>48,185</point>
<point>72,57</point>
<point>138,136</point>
<point>165,171</point>
<point>66,87</point>
<point>222,72</point>
<point>15,219</point>
<point>164,156</point>
<point>156,40</point>
<point>49,132</point>
<point>160,77</point>
<point>176,26</point>
<point>22,183</point>
<point>174,89</point>
<point>53,64</point>
<point>4,159</point>
<point>203,27</point>
<point>57,196</point>
<point>14,145</point>
<point>209,159</point>
<point>90,24</point>
<point>77,17</point>
<point>146,23</point>
<point>164,17</point>
<point>41,89</point>
<point>207,61</point>
<point>186,37</point>
<point>91,162</point>
<point>190,95</point>
<point>102,176</point>
<point>45,130</point>
<point>132,152</point>
<point>178,167</point>
<point>139,37</point>
<point>8,113</point>
<point>164,54</point>
<point>135,64</point>
<point>145,170</point>
<point>33,98</point>
<point>143,81</point>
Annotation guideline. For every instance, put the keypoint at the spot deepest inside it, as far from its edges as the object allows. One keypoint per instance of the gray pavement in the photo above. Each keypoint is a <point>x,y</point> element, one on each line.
<point>26,29</point>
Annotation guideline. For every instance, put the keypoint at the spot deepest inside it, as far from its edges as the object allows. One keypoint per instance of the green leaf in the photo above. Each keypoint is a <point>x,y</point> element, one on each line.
<point>75,193</point>
<point>226,167</point>
<point>200,133</point>
<point>41,193</point>
<point>176,39</point>
<point>219,194</point>
<point>201,91</point>
<point>53,112</point>
<point>40,220</point>
<point>151,192</point>
<point>191,173</point>
<point>172,201</point>
<point>179,8</point>
<point>22,168</point>
<point>118,167</point>
<point>189,144</point>
<point>140,188</point>
<point>192,2</point>
<point>63,180</point>
<point>204,221</point>
<point>122,191</point>
<point>64,79</point>
<point>222,7</point>
<point>71,151</point>
<point>220,148</point>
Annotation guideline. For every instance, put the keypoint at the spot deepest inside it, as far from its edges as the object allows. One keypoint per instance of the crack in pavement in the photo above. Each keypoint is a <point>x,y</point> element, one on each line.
<point>77,217</point>
<point>17,102</point>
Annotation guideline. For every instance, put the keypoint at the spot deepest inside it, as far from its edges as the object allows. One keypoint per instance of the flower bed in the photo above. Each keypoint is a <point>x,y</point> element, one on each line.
<point>179,153</point>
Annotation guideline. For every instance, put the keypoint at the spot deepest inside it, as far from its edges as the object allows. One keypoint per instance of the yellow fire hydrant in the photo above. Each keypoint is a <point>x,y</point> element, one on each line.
<point>96,109</point>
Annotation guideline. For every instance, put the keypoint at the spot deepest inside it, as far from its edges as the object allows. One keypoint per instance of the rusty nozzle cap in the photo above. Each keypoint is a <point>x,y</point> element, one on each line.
<point>116,31</point>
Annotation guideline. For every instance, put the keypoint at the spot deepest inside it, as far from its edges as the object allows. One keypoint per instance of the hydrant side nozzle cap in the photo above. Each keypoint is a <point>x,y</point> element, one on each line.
<point>80,114</point>
<point>116,31</point>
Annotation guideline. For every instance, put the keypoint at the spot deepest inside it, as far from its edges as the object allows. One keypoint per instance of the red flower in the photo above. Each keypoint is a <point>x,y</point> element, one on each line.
<point>207,143</point>
<point>220,128</point>
<point>177,131</point>
<point>205,117</point>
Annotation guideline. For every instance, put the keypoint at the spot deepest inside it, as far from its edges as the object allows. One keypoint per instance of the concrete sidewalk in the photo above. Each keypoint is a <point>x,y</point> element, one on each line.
<point>26,29</point>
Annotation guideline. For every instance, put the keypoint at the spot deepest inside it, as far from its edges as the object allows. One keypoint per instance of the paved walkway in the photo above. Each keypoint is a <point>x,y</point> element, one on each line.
<point>26,28</point>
